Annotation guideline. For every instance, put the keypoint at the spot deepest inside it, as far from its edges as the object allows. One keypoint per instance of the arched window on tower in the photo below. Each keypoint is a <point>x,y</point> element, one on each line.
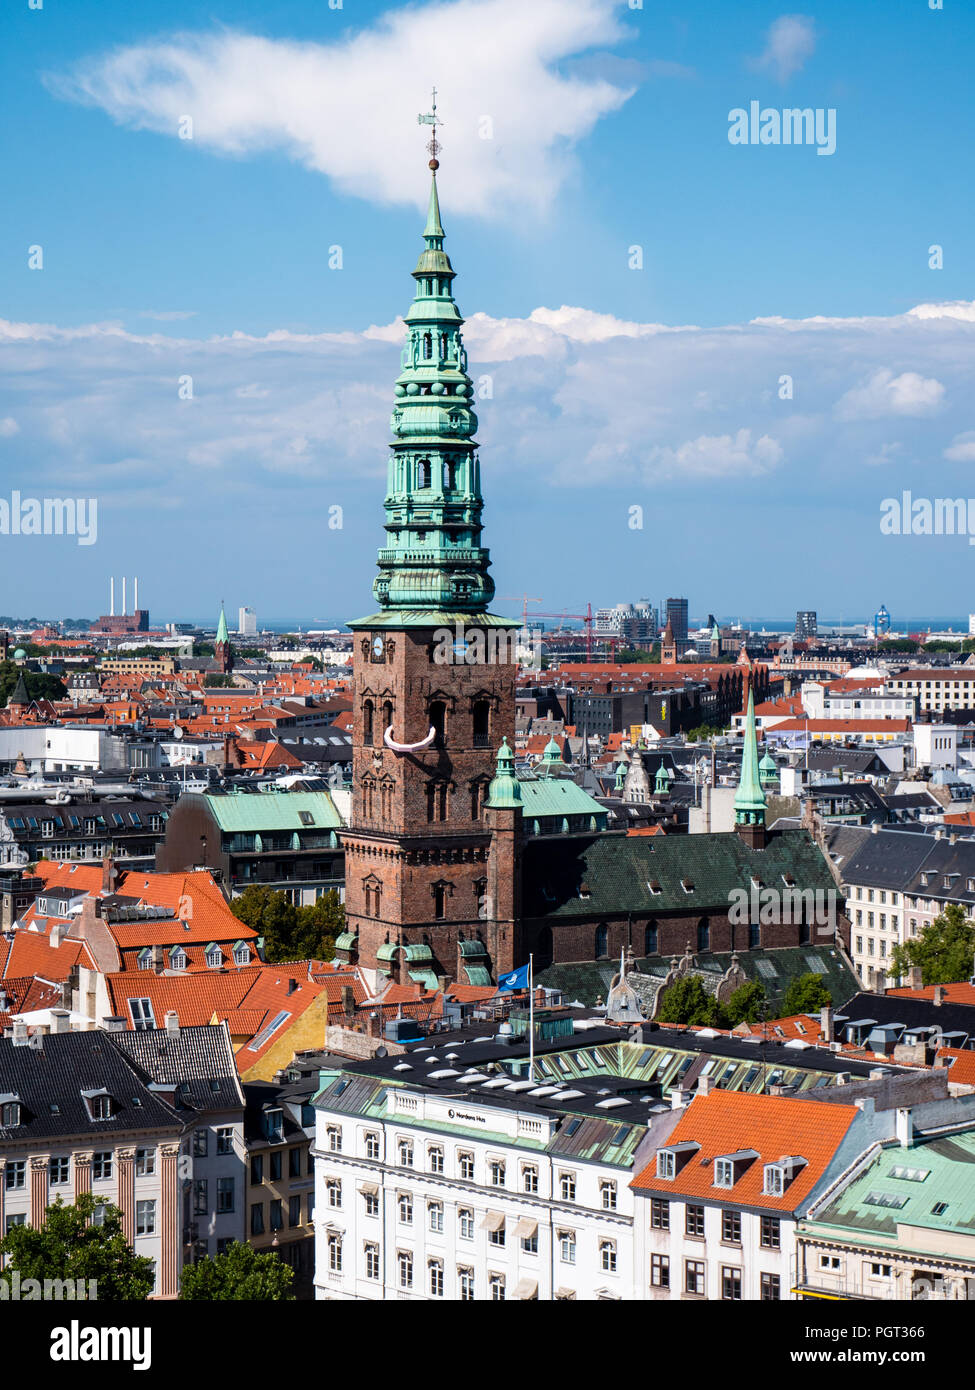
<point>479,789</point>
<point>482,723</point>
<point>436,801</point>
<point>440,891</point>
<point>387,714</point>
<point>438,721</point>
<point>443,346</point>
<point>423,473</point>
<point>428,345</point>
<point>367,716</point>
<point>602,941</point>
<point>367,786</point>
<point>450,475</point>
<point>386,801</point>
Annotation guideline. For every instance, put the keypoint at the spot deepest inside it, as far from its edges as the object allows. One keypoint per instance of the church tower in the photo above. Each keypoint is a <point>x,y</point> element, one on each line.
<point>223,652</point>
<point>750,797</point>
<point>433,675</point>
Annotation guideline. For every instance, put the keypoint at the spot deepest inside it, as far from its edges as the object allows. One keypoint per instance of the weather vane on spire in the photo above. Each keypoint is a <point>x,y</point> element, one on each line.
<point>432,119</point>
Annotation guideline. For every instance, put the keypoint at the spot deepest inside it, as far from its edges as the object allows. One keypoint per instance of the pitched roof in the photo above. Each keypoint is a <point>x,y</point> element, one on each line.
<point>199,1060</point>
<point>726,1122</point>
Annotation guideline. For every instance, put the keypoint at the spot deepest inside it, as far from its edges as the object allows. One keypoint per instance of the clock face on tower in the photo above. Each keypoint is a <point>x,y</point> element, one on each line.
<point>378,647</point>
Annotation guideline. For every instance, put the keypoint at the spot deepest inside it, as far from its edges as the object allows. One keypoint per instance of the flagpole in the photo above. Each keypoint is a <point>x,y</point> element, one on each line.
<point>531,1019</point>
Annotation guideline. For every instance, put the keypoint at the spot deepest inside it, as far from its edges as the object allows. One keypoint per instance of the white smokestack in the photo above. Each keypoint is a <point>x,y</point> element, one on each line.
<point>111,595</point>
<point>124,609</point>
<point>135,594</point>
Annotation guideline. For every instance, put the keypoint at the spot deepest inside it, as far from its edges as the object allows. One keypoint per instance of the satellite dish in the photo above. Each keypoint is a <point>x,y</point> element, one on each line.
<point>381,1052</point>
<point>177,731</point>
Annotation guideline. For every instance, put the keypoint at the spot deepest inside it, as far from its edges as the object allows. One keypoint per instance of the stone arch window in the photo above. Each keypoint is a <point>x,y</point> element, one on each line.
<point>602,940</point>
<point>438,721</point>
<point>703,935</point>
<point>368,710</point>
<point>480,897</point>
<point>441,891</point>
<point>387,714</point>
<point>436,801</point>
<point>428,345</point>
<point>479,788</point>
<point>482,723</point>
<point>367,791</point>
<point>650,939</point>
<point>423,473</point>
<point>373,891</point>
<point>386,800</point>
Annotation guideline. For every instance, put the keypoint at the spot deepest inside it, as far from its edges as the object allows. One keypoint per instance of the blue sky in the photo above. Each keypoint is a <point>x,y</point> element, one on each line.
<point>611,387</point>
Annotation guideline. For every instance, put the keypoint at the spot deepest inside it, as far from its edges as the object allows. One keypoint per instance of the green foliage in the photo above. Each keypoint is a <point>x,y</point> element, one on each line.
<point>745,1005</point>
<point>291,933</point>
<point>944,950</point>
<point>703,733</point>
<point>240,1274</point>
<point>806,994</point>
<point>687,1001</point>
<point>626,655</point>
<point>217,681</point>
<point>70,1246</point>
<point>202,648</point>
<point>40,686</point>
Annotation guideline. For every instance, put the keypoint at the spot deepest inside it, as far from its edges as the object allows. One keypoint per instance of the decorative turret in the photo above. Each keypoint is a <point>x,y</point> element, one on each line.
<point>504,792</point>
<point>19,698</point>
<point>661,783</point>
<point>620,775</point>
<point>223,653</point>
<point>668,646</point>
<point>768,771</point>
<point>750,798</point>
<point>636,787</point>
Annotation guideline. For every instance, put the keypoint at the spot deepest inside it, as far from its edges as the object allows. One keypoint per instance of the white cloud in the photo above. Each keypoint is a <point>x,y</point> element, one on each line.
<point>788,43</point>
<point>8,427</point>
<point>716,456</point>
<point>963,309</point>
<point>887,394</point>
<point>962,448</point>
<point>246,93</point>
<point>167,315</point>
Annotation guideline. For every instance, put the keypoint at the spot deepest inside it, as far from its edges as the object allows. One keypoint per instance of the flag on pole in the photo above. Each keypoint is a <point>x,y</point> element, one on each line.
<point>516,979</point>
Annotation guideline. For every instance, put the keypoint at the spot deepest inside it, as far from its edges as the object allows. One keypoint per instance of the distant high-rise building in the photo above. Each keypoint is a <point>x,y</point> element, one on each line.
<point>677,617</point>
<point>247,622</point>
<point>806,625</point>
<point>881,621</point>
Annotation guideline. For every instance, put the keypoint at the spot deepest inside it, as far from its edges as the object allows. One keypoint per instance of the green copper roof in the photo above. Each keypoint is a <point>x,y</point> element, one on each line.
<point>222,634</point>
<point>750,798</point>
<point>433,560</point>
<point>559,796</point>
<point>261,811</point>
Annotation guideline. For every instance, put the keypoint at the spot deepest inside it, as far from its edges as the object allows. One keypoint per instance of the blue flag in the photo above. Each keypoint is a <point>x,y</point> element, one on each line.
<point>517,979</point>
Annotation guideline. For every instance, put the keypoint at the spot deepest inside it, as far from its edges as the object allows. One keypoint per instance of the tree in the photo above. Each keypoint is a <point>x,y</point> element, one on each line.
<point>806,994</point>
<point>687,1001</point>
<point>217,681</point>
<point>40,686</point>
<point>240,1273</point>
<point>291,933</point>
<point>745,1005</point>
<point>71,1246</point>
<point>627,655</point>
<point>944,950</point>
<point>318,926</point>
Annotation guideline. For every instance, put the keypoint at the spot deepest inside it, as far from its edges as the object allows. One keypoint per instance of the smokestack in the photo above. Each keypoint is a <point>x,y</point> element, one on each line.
<point>135,594</point>
<point>124,609</point>
<point>111,597</point>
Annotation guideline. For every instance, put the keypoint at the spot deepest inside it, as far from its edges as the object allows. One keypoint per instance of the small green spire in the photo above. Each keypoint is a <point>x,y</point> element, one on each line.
<point>434,228</point>
<point>552,752</point>
<point>504,793</point>
<point>620,774</point>
<point>750,798</point>
<point>222,634</point>
<point>768,771</point>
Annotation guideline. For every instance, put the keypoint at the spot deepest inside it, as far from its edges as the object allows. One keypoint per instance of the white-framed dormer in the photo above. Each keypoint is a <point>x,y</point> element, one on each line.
<point>728,1168</point>
<point>777,1176</point>
<point>672,1157</point>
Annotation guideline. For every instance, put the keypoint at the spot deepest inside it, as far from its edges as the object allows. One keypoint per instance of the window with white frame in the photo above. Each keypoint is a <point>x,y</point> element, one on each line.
<point>59,1171</point>
<point>465,1282</point>
<point>405,1150</point>
<point>333,1191</point>
<point>225,1140</point>
<point>567,1186</point>
<point>372,1145</point>
<point>466,1164</point>
<point>145,1218</point>
<point>406,1209</point>
<point>435,1216</point>
<point>333,1138</point>
<point>435,1158</point>
<point>496,1285</point>
<point>496,1169</point>
<point>372,1260</point>
<point>666,1164</point>
<point>607,1192</point>
<point>567,1247</point>
<point>404,1261</point>
<point>371,1200</point>
<point>724,1172</point>
<point>145,1162</point>
<point>529,1177</point>
<point>466,1219</point>
<point>15,1175</point>
<point>101,1166</point>
<point>335,1252</point>
<point>435,1268</point>
<point>607,1255</point>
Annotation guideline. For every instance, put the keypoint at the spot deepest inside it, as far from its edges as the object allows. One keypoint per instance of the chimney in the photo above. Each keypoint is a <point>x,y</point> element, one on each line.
<point>348,1001</point>
<point>109,874</point>
<point>939,996</point>
<point>60,1021</point>
<point>114,1024</point>
<point>20,1035</point>
<point>904,1128</point>
<point>826,1024</point>
<point>679,1098</point>
<point>705,1085</point>
<point>171,1020</point>
<point>292,985</point>
<point>915,978</point>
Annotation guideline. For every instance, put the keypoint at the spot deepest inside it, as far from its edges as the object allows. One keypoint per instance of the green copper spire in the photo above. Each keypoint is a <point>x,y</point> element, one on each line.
<point>750,798</point>
<point>222,633</point>
<point>768,771</point>
<point>504,793</point>
<point>433,559</point>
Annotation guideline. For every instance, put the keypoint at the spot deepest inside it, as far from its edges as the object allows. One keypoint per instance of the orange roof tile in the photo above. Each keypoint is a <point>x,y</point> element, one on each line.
<point>724,1122</point>
<point>962,1069</point>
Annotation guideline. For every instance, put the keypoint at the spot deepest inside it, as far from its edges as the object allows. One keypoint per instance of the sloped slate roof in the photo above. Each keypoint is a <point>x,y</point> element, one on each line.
<point>201,1058</point>
<point>617,872</point>
<point>49,1082</point>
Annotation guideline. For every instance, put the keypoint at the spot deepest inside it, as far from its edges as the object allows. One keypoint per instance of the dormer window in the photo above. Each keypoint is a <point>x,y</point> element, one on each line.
<point>728,1168</point>
<point>654,887</point>
<point>177,958</point>
<point>687,884</point>
<point>274,1126</point>
<point>145,959</point>
<point>778,1176</point>
<point>214,956</point>
<point>99,1104</point>
<point>242,953</point>
<point>671,1159</point>
<point>10,1111</point>
<point>666,1164</point>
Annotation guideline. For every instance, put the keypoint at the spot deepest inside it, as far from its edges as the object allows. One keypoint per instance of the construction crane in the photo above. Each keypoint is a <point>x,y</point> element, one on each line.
<point>585,618</point>
<point>524,599</point>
